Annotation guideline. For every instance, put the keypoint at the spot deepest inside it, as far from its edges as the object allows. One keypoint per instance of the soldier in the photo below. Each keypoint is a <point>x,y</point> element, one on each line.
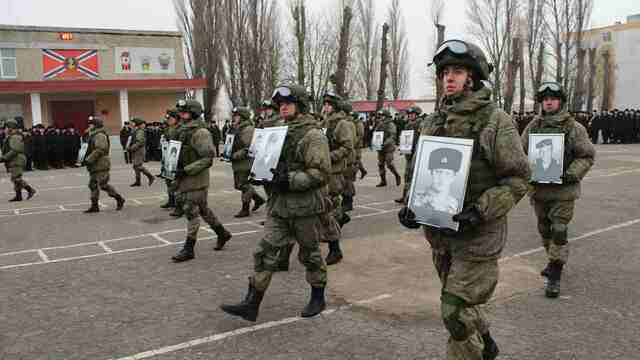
<point>341,137</point>
<point>192,177</point>
<point>242,128</point>
<point>351,169</point>
<point>467,260</point>
<point>413,114</point>
<point>554,203</point>
<point>178,211</point>
<point>98,164</point>
<point>14,160</point>
<point>359,144</point>
<point>385,156</point>
<point>295,207</point>
<point>270,115</point>
<point>125,133</point>
<point>171,133</point>
<point>136,150</point>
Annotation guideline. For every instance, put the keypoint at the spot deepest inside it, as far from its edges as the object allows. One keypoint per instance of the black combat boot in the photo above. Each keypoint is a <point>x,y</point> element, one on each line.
<point>283,259</point>
<point>347,203</point>
<point>171,202</point>
<point>345,219</point>
<point>31,192</point>
<point>244,212</point>
<point>403,198</point>
<point>335,254</point>
<point>249,307</point>
<point>94,207</point>
<point>223,236</point>
<point>398,177</point>
<point>187,252</point>
<point>137,182</point>
<point>383,180</point>
<point>490,351</point>
<point>18,196</point>
<point>316,304</point>
<point>119,202</point>
<point>151,179</point>
<point>552,289</point>
<point>545,272</point>
<point>363,173</point>
<point>258,201</point>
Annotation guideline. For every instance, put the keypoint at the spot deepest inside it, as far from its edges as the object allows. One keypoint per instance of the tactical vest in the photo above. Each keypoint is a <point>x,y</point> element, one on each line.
<point>5,146</point>
<point>187,153</point>
<point>567,130</point>
<point>482,175</point>
<point>92,145</point>
<point>289,149</point>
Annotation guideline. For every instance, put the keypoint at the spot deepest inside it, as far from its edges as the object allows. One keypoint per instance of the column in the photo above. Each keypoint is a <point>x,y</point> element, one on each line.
<point>124,106</point>
<point>36,109</point>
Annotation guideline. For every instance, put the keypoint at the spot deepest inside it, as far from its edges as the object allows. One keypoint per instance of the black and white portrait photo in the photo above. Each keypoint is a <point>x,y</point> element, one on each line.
<point>170,163</point>
<point>256,142</point>
<point>439,181</point>
<point>546,155</point>
<point>228,147</point>
<point>377,140</point>
<point>268,152</point>
<point>82,153</point>
<point>406,141</point>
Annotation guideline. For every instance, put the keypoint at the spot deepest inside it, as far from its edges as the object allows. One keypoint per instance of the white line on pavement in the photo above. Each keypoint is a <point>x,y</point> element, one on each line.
<point>241,331</point>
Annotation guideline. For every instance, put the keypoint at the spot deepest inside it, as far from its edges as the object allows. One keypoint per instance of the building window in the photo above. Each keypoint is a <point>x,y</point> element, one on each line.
<point>8,69</point>
<point>606,37</point>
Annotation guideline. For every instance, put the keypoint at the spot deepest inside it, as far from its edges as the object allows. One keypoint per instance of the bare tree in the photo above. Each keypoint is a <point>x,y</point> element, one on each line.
<point>535,41</point>
<point>512,71</point>
<point>583,13</point>
<point>384,61</point>
<point>367,44</point>
<point>343,52</point>
<point>437,14</point>
<point>592,75</point>
<point>299,13</point>
<point>399,57</point>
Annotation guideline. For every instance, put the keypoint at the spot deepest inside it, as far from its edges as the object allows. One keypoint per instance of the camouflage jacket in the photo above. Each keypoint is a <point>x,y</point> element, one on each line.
<point>196,156</point>
<point>579,154</point>
<point>137,148</point>
<point>97,158</point>
<point>390,133</point>
<point>240,160</point>
<point>340,137</point>
<point>306,156</point>
<point>171,133</point>
<point>13,152</point>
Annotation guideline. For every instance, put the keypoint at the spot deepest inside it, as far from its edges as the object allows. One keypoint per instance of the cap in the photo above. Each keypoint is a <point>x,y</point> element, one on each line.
<point>445,158</point>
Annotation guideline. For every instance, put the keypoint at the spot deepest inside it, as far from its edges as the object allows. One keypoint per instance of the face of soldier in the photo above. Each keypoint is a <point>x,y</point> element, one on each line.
<point>171,121</point>
<point>288,111</point>
<point>236,121</point>
<point>327,108</point>
<point>268,112</point>
<point>186,116</point>
<point>550,104</point>
<point>454,78</point>
<point>545,155</point>
<point>442,180</point>
<point>412,116</point>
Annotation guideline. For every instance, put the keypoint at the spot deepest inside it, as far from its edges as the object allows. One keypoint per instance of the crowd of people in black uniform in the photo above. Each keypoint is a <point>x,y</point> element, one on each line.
<point>57,148</point>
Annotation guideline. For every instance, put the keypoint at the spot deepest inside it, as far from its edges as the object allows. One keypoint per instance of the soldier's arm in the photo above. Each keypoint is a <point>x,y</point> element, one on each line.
<point>344,138</point>
<point>99,149</point>
<point>13,151</point>
<point>138,141</point>
<point>317,163</point>
<point>203,145</point>
<point>584,154</point>
<point>389,136</point>
<point>511,168</point>
<point>245,138</point>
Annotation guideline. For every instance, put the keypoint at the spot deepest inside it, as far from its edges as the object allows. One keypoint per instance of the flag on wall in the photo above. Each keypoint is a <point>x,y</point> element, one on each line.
<point>69,64</point>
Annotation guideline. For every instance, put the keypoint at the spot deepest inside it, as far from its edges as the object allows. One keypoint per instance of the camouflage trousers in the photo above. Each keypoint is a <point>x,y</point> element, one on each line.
<point>138,169</point>
<point>241,183</point>
<point>349,179</point>
<point>171,187</point>
<point>385,158</point>
<point>278,233</point>
<point>195,205</point>
<point>466,286</point>
<point>553,218</point>
<point>100,181</point>
<point>18,181</point>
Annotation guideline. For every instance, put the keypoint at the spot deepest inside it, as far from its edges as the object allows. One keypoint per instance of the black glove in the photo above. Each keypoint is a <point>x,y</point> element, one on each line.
<point>280,181</point>
<point>407,218</point>
<point>254,181</point>
<point>180,173</point>
<point>569,179</point>
<point>469,217</point>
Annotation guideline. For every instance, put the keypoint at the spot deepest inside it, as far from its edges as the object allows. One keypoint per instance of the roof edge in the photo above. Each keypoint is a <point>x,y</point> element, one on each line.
<point>34,28</point>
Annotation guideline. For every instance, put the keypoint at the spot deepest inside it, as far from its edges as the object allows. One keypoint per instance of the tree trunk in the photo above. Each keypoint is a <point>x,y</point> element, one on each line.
<point>539,72</point>
<point>578,99</point>
<point>384,60</point>
<point>523,88</point>
<point>606,104</point>
<point>343,52</point>
<point>592,75</point>
<point>301,30</point>
<point>441,30</point>
<point>512,71</point>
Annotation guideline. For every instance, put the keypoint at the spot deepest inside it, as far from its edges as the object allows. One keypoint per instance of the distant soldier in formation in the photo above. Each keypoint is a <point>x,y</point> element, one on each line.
<point>554,203</point>
<point>171,133</point>
<point>192,177</point>
<point>413,123</point>
<point>125,133</point>
<point>14,160</point>
<point>385,156</point>
<point>98,164</point>
<point>137,149</point>
<point>351,170</point>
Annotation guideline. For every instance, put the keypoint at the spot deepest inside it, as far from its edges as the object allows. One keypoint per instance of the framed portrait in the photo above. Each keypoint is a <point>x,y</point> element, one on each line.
<point>439,181</point>
<point>268,153</point>
<point>377,140</point>
<point>227,150</point>
<point>256,142</point>
<point>129,140</point>
<point>170,163</point>
<point>546,158</point>
<point>406,141</point>
<point>82,153</point>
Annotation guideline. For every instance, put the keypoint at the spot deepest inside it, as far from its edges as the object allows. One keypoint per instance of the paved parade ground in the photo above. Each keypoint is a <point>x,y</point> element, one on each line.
<point>102,286</point>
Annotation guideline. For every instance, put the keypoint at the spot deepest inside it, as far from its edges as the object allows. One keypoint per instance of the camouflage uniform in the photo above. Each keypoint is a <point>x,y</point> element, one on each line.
<point>171,133</point>
<point>385,156</point>
<point>14,161</point>
<point>415,126</point>
<point>350,170</point>
<point>241,164</point>
<point>359,144</point>
<point>554,203</point>
<point>99,164</point>
<point>137,150</point>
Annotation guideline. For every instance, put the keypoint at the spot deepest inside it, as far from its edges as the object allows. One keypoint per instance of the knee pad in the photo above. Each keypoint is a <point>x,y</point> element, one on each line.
<point>451,306</point>
<point>545,230</point>
<point>559,236</point>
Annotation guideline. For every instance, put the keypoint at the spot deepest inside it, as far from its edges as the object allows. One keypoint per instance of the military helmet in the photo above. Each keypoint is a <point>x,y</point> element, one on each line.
<point>137,121</point>
<point>11,124</point>
<point>332,99</point>
<point>384,112</point>
<point>345,105</point>
<point>294,94</point>
<point>414,110</point>
<point>243,112</point>
<point>191,106</point>
<point>95,121</point>
<point>172,113</point>
<point>551,89</point>
<point>458,52</point>
<point>268,104</point>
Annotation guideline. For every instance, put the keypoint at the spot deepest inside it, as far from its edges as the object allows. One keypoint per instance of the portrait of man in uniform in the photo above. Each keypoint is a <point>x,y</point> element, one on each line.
<point>228,147</point>
<point>171,161</point>
<point>268,152</point>
<point>546,157</point>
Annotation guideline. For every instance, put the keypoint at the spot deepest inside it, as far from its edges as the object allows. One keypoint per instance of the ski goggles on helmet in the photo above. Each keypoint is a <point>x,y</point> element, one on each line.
<point>549,86</point>
<point>456,47</point>
<point>283,94</point>
<point>181,105</point>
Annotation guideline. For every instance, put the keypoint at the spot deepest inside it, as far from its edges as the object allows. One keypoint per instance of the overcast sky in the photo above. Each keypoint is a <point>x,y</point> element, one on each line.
<point>159,15</point>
